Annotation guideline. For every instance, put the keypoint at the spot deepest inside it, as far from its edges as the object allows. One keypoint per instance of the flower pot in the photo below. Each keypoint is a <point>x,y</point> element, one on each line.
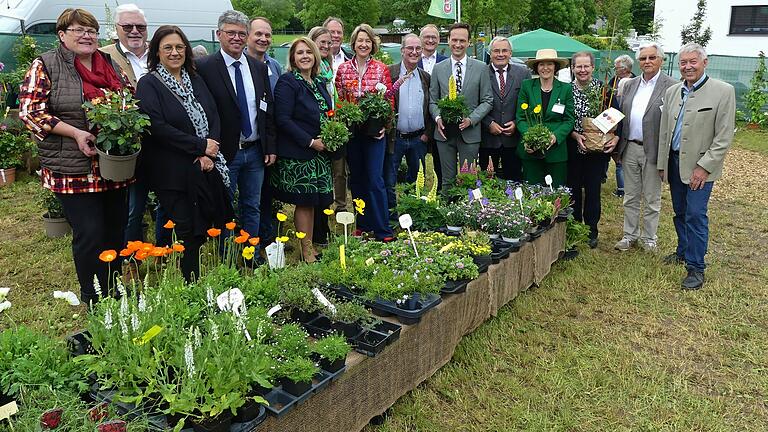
<point>412,303</point>
<point>56,227</point>
<point>510,239</point>
<point>249,411</point>
<point>453,228</point>
<point>7,176</point>
<point>753,126</point>
<point>117,168</point>
<point>493,236</point>
<point>332,366</point>
<point>372,126</point>
<point>220,423</point>
<point>349,330</point>
<point>294,388</point>
<point>303,316</point>
<point>538,154</point>
<point>451,130</point>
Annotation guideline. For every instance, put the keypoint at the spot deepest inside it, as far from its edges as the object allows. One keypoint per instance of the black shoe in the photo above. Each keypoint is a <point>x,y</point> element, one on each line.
<point>693,281</point>
<point>673,259</point>
<point>592,243</point>
<point>619,193</point>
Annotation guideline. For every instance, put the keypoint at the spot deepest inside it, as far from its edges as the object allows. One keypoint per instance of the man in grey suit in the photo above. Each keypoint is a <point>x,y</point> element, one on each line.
<point>472,81</point>
<point>697,125</point>
<point>639,147</point>
<point>500,135</point>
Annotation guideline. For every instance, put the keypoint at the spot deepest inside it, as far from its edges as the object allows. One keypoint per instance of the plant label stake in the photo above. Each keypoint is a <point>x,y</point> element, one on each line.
<point>324,301</point>
<point>406,222</point>
<point>478,195</point>
<point>273,310</point>
<point>345,218</point>
<point>519,197</point>
<point>342,258</point>
<point>9,409</point>
<point>548,181</point>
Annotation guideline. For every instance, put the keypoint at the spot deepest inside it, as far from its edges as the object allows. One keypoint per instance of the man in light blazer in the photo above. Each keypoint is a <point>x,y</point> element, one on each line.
<point>500,134</point>
<point>472,81</point>
<point>639,148</point>
<point>697,126</point>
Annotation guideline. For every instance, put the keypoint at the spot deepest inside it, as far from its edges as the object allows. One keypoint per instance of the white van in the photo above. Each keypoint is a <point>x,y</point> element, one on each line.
<point>197,18</point>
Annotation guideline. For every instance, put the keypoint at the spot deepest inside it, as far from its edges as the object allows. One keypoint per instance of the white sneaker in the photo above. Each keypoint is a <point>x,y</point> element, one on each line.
<point>649,246</point>
<point>624,244</point>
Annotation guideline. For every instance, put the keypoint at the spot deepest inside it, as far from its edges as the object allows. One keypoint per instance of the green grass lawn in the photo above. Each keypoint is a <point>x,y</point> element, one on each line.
<point>608,342</point>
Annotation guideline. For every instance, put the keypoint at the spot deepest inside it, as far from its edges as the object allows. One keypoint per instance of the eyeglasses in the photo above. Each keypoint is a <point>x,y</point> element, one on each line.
<point>167,49</point>
<point>651,58</point>
<point>412,48</point>
<point>80,32</point>
<point>325,43</point>
<point>235,34</point>
<point>582,67</point>
<point>129,27</point>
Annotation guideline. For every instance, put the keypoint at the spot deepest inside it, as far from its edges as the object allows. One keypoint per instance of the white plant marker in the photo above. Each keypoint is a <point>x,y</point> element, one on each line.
<point>548,181</point>
<point>519,197</point>
<point>345,218</point>
<point>478,195</point>
<point>406,222</point>
<point>323,300</point>
<point>273,310</point>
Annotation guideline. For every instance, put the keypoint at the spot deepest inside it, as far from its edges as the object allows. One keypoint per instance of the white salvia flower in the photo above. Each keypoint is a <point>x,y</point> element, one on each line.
<point>142,303</point>
<point>209,297</point>
<point>146,281</point>
<point>96,285</point>
<point>214,331</point>
<point>5,305</point>
<point>124,307</point>
<point>123,325</point>
<point>189,359</point>
<point>198,338</point>
<point>108,319</point>
<point>135,323</point>
<point>121,288</point>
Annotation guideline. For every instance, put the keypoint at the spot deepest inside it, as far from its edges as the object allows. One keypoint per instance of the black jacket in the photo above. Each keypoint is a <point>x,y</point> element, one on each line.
<point>214,71</point>
<point>297,115</point>
<point>169,151</point>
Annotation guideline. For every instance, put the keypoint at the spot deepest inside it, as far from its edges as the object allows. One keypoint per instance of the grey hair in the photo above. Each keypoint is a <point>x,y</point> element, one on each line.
<point>692,47</point>
<point>409,35</point>
<point>659,51</point>
<point>624,61</point>
<point>128,7</point>
<point>236,18</point>
<point>199,51</point>
<point>583,54</point>
<point>500,39</point>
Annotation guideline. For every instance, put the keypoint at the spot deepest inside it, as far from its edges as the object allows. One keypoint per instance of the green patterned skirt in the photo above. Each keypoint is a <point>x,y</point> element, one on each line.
<point>303,182</point>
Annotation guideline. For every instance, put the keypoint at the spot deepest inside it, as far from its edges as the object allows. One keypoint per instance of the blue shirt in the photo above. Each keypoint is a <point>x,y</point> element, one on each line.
<point>274,69</point>
<point>679,124</point>
<point>410,109</point>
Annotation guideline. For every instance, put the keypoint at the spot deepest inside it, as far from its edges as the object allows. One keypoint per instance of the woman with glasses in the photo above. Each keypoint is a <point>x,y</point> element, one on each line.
<point>51,98</point>
<point>181,153</point>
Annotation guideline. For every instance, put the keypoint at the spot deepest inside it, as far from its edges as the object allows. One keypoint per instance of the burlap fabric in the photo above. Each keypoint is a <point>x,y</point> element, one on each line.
<point>594,139</point>
<point>371,385</point>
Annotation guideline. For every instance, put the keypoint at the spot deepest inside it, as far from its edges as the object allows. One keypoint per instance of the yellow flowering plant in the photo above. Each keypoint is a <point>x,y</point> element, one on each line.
<point>537,138</point>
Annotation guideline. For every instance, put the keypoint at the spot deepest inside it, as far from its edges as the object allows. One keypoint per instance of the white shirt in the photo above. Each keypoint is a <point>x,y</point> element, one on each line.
<point>639,104</point>
<point>463,62</point>
<point>429,62</point>
<point>338,59</point>
<point>138,64</point>
<point>250,90</point>
<point>496,74</point>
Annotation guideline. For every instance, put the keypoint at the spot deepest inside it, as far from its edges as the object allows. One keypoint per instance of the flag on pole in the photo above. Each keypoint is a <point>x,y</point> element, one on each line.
<point>443,9</point>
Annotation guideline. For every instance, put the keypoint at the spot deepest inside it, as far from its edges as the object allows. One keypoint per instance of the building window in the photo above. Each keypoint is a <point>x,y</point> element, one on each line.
<point>749,20</point>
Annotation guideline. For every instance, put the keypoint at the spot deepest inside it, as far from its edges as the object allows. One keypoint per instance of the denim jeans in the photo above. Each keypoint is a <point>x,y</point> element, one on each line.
<point>691,221</point>
<point>246,174</point>
<point>365,156</point>
<point>137,203</point>
<point>415,151</point>
<point>619,175</point>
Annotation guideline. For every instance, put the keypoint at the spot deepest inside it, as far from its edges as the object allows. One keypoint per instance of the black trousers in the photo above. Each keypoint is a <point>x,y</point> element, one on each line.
<point>585,175</point>
<point>98,223</point>
<point>181,210</point>
<point>511,167</point>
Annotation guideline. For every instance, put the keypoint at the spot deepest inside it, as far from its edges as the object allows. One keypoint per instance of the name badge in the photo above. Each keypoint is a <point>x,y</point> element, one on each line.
<point>269,71</point>
<point>558,108</point>
<point>263,105</point>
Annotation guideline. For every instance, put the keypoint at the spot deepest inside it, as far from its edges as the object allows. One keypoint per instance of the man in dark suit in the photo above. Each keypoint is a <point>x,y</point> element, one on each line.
<point>500,135</point>
<point>240,86</point>
<point>430,39</point>
<point>413,125</point>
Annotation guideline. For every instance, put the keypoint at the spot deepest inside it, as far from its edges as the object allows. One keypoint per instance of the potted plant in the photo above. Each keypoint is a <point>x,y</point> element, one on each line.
<point>119,125</point>
<point>54,221</point>
<point>376,109</point>
<point>453,109</point>
<point>537,139</point>
<point>332,352</point>
<point>295,285</point>
<point>14,141</point>
<point>513,227</point>
<point>348,317</point>
<point>595,140</point>
<point>333,132</point>
<point>297,373</point>
<point>456,215</point>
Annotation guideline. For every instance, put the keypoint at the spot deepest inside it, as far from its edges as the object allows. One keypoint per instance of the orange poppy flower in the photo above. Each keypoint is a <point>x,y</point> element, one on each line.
<point>169,224</point>
<point>133,246</point>
<point>244,233</point>
<point>178,247</point>
<point>147,247</point>
<point>254,241</point>
<point>108,255</point>
<point>141,255</point>
<point>214,232</point>
<point>157,251</point>
<point>126,252</point>
<point>241,239</point>
<point>230,225</point>
<point>330,113</point>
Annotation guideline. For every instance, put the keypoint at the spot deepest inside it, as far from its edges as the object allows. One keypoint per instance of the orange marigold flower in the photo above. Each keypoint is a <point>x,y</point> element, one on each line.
<point>126,252</point>
<point>230,225</point>
<point>254,240</point>
<point>178,247</point>
<point>108,255</point>
<point>214,232</point>
<point>169,224</point>
<point>141,255</point>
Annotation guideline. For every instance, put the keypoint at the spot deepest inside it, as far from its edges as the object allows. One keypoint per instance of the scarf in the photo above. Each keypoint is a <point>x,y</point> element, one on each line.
<point>314,87</point>
<point>100,77</point>
<point>185,94</point>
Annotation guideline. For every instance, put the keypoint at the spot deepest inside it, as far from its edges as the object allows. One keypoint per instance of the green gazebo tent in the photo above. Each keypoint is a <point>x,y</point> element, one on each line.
<point>524,45</point>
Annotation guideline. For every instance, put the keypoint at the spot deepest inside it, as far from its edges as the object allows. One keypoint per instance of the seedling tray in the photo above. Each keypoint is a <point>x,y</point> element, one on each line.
<point>455,287</point>
<point>407,317</point>
<point>280,402</point>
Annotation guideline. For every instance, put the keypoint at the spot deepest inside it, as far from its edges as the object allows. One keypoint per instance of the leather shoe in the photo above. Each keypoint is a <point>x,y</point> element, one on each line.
<point>592,243</point>
<point>673,258</point>
<point>694,280</point>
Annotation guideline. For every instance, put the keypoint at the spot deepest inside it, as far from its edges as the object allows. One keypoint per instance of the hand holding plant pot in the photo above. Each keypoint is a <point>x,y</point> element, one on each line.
<point>453,110</point>
<point>537,139</point>
<point>377,111</point>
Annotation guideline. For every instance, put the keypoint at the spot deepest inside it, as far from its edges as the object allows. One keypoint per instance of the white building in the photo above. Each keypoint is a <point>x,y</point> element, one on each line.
<point>739,27</point>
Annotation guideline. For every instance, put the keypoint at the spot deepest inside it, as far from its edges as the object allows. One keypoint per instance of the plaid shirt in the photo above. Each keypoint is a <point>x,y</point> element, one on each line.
<point>34,112</point>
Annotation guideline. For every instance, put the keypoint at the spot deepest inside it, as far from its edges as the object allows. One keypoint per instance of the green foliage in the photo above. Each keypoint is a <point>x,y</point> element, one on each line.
<point>576,233</point>
<point>50,203</point>
<point>453,111</point>
<point>290,341</point>
<point>279,12</point>
<point>25,50</point>
<point>695,31</point>
<point>374,105</point>
<point>561,16</point>
<point>298,369</point>
<point>349,312</point>
<point>426,215</point>
<point>757,96</point>
<point>14,141</point>
<point>352,12</point>
<point>642,15</point>
<point>491,14</point>
<point>334,134</point>
<point>617,15</point>
<point>332,347</point>
<point>603,43</point>
<point>295,287</point>
<point>537,138</point>
<point>383,57</point>
<point>348,113</point>
<point>119,121</point>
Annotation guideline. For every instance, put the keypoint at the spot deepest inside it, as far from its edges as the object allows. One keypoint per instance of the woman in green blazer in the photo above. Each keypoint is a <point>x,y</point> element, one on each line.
<point>556,99</point>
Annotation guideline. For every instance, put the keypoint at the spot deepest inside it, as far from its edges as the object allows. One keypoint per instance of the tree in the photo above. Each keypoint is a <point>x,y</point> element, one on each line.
<point>490,14</point>
<point>642,15</point>
<point>559,16</point>
<point>413,12</point>
<point>352,12</point>
<point>757,96</point>
<point>617,15</point>
<point>693,32</point>
<point>279,12</point>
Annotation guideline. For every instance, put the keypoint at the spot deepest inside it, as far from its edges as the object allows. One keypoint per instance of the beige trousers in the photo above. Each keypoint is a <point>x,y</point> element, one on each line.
<point>642,194</point>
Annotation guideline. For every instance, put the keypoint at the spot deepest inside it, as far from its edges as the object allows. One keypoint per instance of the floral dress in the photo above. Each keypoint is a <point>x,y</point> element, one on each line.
<point>305,182</point>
